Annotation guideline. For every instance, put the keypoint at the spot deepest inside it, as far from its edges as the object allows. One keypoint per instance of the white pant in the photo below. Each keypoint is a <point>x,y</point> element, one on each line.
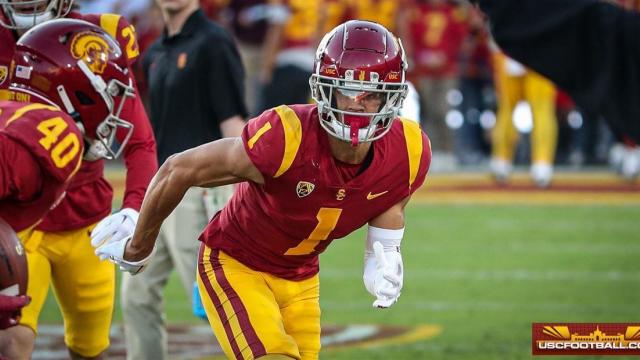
<point>176,247</point>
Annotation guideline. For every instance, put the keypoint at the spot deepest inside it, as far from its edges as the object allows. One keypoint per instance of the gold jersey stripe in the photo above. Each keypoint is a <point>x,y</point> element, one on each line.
<point>109,22</point>
<point>25,109</point>
<point>413,139</point>
<point>266,127</point>
<point>292,137</point>
<point>5,94</point>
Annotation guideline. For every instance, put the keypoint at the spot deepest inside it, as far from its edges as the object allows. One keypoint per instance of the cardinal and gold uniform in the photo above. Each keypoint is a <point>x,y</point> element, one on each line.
<point>511,88</point>
<point>59,250</point>
<point>258,266</point>
<point>41,149</point>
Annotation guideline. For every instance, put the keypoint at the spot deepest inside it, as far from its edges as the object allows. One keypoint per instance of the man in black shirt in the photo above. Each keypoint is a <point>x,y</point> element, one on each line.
<point>589,48</point>
<point>196,95</point>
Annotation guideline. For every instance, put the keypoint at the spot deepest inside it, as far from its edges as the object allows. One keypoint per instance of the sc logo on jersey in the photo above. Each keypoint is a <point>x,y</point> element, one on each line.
<point>92,50</point>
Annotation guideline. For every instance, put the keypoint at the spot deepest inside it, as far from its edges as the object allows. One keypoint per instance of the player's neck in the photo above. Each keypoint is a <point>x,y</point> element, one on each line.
<point>174,21</point>
<point>347,153</point>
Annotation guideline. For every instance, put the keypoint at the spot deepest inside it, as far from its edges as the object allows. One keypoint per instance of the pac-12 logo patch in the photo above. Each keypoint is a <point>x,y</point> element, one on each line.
<point>304,188</point>
<point>4,73</point>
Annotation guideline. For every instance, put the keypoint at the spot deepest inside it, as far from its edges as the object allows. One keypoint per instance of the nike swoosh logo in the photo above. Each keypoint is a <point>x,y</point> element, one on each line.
<point>371,196</point>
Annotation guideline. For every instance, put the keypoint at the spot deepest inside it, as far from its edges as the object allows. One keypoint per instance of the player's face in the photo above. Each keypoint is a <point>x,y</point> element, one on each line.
<point>28,6</point>
<point>358,101</point>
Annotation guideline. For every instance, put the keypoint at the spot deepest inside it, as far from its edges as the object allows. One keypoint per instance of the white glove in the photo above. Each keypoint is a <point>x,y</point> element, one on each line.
<point>114,251</point>
<point>383,275</point>
<point>110,238</point>
<point>114,228</point>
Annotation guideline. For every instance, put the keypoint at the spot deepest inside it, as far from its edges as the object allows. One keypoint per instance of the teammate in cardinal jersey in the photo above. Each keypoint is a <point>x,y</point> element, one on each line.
<point>309,174</point>
<point>52,248</point>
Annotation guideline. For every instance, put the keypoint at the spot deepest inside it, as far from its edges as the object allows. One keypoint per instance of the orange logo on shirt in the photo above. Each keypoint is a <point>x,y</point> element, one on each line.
<point>340,194</point>
<point>92,50</point>
<point>182,60</point>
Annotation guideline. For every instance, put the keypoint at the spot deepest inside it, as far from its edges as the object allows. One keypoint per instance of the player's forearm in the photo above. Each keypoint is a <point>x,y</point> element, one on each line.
<point>164,193</point>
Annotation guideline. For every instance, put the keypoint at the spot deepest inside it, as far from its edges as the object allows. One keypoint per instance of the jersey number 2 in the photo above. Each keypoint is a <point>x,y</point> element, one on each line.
<point>64,150</point>
<point>327,221</point>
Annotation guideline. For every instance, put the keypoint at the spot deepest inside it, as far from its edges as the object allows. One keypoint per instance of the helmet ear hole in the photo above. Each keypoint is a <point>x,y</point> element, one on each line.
<point>84,99</point>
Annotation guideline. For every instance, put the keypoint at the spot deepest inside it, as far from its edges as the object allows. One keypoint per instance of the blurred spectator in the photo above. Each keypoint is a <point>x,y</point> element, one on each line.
<point>433,31</point>
<point>384,12</point>
<point>195,81</point>
<point>248,22</point>
<point>478,96</point>
<point>515,83</point>
<point>337,12</point>
<point>127,8</point>
<point>289,50</point>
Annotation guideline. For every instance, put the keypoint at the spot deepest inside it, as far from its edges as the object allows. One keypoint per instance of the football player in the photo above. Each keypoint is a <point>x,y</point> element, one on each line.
<point>308,174</point>
<point>84,285</point>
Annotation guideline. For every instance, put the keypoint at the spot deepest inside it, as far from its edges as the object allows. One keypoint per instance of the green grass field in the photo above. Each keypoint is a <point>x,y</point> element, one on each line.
<point>483,273</point>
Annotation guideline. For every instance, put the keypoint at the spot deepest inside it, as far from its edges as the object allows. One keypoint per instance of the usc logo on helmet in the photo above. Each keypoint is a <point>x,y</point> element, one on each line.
<point>92,50</point>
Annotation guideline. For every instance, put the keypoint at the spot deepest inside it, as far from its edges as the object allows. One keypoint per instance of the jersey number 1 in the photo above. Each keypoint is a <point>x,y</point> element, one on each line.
<point>327,221</point>
<point>64,150</point>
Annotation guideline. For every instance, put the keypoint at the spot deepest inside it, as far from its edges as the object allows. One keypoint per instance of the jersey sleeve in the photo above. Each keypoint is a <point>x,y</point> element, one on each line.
<point>119,29</point>
<point>20,174</point>
<point>51,136</point>
<point>425,163</point>
<point>418,150</point>
<point>272,142</point>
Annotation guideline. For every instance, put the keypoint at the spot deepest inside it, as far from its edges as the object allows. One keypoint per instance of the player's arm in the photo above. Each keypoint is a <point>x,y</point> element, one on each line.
<point>213,164</point>
<point>383,270</point>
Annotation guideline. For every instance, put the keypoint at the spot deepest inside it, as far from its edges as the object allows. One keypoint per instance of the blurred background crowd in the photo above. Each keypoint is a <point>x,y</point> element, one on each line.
<point>481,109</point>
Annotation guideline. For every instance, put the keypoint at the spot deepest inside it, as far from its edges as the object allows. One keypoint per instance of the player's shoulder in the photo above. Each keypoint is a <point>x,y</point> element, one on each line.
<point>118,27</point>
<point>50,134</point>
<point>275,138</point>
<point>411,146</point>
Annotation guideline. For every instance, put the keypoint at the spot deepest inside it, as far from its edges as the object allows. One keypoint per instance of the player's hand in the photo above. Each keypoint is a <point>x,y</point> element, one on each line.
<point>114,228</point>
<point>383,275</point>
<point>115,252</point>
<point>10,309</point>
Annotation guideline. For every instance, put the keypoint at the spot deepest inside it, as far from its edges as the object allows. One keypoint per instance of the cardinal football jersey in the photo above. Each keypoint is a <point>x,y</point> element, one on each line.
<point>281,227</point>
<point>54,142</point>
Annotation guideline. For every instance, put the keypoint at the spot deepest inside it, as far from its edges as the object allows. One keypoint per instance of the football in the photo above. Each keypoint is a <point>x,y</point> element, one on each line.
<point>13,262</point>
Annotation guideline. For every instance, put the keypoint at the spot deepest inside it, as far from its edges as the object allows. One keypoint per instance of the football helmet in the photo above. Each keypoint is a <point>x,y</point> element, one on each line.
<point>25,14</point>
<point>359,59</point>
<point>78,67</point>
